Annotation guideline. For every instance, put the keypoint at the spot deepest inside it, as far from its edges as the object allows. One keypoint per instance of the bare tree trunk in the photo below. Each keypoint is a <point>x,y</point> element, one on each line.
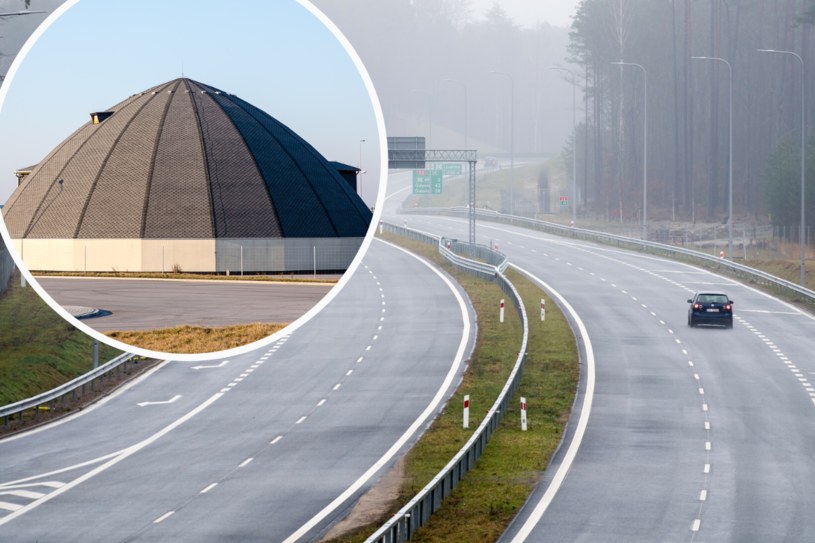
<point>715,42</point>
<point>687,99</point>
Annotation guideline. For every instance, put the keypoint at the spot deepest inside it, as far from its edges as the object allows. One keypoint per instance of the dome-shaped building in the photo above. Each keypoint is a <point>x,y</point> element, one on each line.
<point>185,176</point>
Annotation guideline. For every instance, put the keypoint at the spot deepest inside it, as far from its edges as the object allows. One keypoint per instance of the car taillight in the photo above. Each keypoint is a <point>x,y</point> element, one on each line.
<point>727,307</point>
<point>697,306</point>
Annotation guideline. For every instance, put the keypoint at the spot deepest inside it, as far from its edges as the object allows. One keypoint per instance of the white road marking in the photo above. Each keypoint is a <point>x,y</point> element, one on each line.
<point>275,440</point>
<point>703,495</point>
<point>337,386</point>
<point>321,402</point>
<point>706,469</point>
<point>696,525</point>
<point>210,487</point>
<point>163,517</point>
<point>221,365</point>
<point>707,425</point>
<point>301,419</point>
<point>112,459</point>
<point>30,494</point>
<point>420,420</point>
<point>165,402</point>
<point>245,463</point>
<point>582,423</point>
<point>10,506</point>
<point>708,445</point>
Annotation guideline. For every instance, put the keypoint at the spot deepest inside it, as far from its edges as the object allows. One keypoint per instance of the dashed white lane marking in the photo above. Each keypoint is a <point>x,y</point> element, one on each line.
<point>275,440</point>
<point>301,419</point>
<point>210,487</point>
<point>696,376</point>
<point>321,402</point>
<point>163,517</point>
<point>245,463</point>
<point>794,370</point>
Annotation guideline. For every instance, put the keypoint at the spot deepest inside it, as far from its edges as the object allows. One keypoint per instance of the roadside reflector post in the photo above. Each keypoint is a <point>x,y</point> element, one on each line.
<point>543,309</point>
<point>466,411</point>
<point>523,414</point>
<point>501,311</point>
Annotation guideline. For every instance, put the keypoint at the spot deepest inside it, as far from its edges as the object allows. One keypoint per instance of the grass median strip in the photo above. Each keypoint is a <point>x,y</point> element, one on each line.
<point>196,339</point>
<point>487,499</point>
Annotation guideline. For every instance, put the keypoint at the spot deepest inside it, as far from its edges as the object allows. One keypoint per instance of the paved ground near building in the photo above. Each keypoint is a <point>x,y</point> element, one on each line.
<point>144,304</point>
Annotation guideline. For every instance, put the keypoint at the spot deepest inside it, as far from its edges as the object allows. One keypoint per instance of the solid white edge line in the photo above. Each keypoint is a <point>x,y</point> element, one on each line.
<point>90,408</point>
<point>125,453</point>
<point>416,425</point>
<point>582,423</point>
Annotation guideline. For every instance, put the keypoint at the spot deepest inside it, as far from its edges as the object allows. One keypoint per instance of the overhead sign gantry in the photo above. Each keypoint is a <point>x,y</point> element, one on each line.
<point>410,153</point>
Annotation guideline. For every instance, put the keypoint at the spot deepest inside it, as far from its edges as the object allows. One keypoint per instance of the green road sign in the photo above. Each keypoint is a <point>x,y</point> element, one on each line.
<point>449,168</point>
<point>427,181</point>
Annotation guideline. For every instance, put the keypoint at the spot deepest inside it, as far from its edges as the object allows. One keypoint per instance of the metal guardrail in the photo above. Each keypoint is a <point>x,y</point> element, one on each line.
<point>417,512</point>
<point>752,275</point>
<point>60,393</point>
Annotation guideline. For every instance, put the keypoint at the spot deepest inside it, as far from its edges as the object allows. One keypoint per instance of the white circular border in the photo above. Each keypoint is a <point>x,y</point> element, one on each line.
<point>380,200</point>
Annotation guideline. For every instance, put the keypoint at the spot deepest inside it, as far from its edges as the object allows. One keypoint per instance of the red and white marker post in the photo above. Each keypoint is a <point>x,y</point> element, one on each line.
<point>501,312</point>
<point>466,411</point>
<point>543,309</point>
<point>523,414</point>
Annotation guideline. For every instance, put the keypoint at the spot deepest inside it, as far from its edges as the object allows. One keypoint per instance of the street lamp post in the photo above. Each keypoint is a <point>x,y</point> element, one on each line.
<point>802,234</point>
<point>645,146</point>
<point>730,155</point>
<point>463,86</point>
<point>511,137</point>
<point>574,149</point>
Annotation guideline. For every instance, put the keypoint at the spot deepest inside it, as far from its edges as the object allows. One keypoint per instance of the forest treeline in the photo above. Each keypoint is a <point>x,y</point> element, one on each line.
<point>424,55</point>
<point>688,105</point>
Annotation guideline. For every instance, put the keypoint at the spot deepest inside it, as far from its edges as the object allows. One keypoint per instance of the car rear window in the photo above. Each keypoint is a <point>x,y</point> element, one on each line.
<point>713,299</point>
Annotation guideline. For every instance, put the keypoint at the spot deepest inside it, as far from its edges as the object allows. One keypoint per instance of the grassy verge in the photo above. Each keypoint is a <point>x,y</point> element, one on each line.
<point>194,276</point>
<point>196,339</point>
<point>484,503</point>
<point>38,349</point>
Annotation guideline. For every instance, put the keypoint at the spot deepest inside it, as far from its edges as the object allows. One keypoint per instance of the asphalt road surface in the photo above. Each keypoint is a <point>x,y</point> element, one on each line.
<point>144,304</point>
<point>701,434</point>
<point>270,446</point>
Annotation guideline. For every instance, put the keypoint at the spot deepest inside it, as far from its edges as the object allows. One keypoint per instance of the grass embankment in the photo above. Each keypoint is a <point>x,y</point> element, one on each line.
<point>196,339</point>
<point>39,350</point>
<point>488,498</point>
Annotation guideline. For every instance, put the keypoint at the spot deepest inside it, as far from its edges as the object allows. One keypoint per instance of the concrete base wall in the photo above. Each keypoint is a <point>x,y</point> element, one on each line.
<point>124,255</point>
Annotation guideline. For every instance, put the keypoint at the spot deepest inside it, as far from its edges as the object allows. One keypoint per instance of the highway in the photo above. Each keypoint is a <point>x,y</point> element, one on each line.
<point>275,445</point>
<point>692,434</point>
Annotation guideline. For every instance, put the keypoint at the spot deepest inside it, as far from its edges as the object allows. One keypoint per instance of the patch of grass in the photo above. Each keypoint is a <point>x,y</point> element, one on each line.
<point>196,339</point>
<point>199,276</point>
<point>488,497</point>
<point>39,350</point>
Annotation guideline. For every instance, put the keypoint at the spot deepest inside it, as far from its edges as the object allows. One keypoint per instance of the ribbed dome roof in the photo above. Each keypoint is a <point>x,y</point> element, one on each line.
<point>184,160</point>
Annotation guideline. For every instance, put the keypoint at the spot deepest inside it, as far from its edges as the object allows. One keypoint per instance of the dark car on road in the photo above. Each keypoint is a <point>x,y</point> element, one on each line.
<point>710,308</point>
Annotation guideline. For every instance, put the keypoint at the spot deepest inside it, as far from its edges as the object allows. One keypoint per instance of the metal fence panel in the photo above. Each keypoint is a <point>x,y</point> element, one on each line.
<point>285,254</point>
